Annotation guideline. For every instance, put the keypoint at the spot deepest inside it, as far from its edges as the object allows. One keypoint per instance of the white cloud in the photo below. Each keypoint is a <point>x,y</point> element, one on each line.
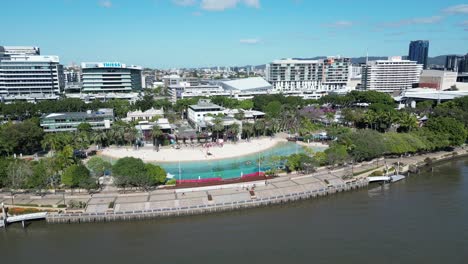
<point>457,9</point>
<point>221,5</point>
<point>105,3</point>
<point>184,2</point>
<point>251,41</point>
<point>339,24</point>
<point>414,21</point>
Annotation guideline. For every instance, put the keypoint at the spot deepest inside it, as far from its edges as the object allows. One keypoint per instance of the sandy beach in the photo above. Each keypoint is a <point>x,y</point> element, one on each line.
<point>188,153</point>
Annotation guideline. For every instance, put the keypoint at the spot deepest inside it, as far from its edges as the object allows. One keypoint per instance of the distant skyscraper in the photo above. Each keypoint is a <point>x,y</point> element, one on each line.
<point>454,63</point>
<point>419,51</point>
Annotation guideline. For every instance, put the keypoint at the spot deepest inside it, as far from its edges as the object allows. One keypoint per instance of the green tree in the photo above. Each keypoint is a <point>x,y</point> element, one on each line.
<point>247,130</point>
<point>300,162</point>
<point>4,163</point>
<point>84,127</point>
<point>367,144</point>
<point>407,122</point>
<point>336,154</point>
<point>217,126</point>
<point>24,137</point>
<point>98,166</point>
<point>452,128</point>
<point>156,174</point>
<point>259,127</point>
<point>233,131</point>
<point>273,109</point>
<point>42,173</point>
<point>76,175</point>
<point>128,171</point>
<point>157,134</point>
<point>18,171</point>
<point>246,104</point>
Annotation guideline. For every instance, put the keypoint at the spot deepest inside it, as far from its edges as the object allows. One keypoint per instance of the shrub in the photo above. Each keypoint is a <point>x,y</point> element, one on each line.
<point>377,173</point>
<point>62,206</point>
<point>171,182</point>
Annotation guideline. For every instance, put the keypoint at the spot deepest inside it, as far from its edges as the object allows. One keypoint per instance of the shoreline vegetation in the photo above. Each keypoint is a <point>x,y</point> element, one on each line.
<point>356,136</point>
<point>327,187</point>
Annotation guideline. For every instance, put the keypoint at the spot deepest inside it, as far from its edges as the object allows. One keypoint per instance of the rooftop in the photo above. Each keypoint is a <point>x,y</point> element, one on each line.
<point>205,104</point>
<point>255,83</point>
<point>105,112</point>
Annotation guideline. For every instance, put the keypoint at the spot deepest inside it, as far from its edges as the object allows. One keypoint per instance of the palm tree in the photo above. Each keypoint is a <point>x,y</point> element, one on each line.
<point>82,140</point>
<point>370,118</point>
<point>234,130</point>
<point>330,116</point>
<point>117,134</point>
<point>130,135</point>
<point>259,127</point>
<point>247,129</point>
<point>51,141</point>
<point>156,133</point>
<point>217,126</point>
<point>408,122</point>
<point>99,137</point>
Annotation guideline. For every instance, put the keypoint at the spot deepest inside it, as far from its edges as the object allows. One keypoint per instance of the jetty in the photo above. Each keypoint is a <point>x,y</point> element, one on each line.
<point>386,179</point>
<point>6,220</point>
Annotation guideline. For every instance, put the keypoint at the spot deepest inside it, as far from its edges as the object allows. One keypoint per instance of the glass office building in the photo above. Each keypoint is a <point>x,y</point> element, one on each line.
<point>419,52</point>
<point>110,77</point>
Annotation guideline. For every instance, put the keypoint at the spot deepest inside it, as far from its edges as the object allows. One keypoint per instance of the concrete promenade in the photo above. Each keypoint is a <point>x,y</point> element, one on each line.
<point>110,206</point>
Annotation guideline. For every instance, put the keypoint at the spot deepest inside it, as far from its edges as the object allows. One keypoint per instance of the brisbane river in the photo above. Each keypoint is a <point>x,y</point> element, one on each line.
<point>423,219</point>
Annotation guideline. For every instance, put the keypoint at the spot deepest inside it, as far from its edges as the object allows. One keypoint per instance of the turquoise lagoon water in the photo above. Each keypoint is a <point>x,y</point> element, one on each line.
<point>232,167</point>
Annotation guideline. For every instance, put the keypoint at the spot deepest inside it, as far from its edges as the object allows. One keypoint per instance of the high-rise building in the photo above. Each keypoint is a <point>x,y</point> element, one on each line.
<point>453,62</point>
<point>419,52</point>
<point>110,77</point>
<point>26,77</point>
<point>390,75</point>
<point>309,75</point>
<point>464,64</point>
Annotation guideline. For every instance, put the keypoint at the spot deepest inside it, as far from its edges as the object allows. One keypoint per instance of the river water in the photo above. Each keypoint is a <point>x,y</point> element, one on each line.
<point>423,219</point>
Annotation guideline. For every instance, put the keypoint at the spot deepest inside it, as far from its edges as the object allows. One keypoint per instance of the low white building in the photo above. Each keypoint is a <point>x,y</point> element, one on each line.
<point>248,114</point>
<point>146,115</point>
<point>197,113</point>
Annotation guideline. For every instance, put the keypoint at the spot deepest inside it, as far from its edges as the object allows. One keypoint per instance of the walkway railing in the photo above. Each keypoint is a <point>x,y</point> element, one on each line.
<point>201,209</point>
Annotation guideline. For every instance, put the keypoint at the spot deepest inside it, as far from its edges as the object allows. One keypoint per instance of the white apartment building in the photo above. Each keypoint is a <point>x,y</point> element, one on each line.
<point>394,74</point>
<point>309,75</point>
<point>30,78</point>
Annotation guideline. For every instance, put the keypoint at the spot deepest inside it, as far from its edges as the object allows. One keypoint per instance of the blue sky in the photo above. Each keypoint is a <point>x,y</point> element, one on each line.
<point>193,33</point>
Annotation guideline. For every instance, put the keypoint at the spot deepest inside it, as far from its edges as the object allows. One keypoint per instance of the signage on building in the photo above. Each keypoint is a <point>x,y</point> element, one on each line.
<point>112,64</point>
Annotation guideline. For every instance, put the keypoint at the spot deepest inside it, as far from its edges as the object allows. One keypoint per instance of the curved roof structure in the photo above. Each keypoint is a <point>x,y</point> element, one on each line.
<point>247,84</point>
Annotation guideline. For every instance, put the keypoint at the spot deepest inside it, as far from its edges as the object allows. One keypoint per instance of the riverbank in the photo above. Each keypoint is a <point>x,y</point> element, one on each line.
<point>287,188</point>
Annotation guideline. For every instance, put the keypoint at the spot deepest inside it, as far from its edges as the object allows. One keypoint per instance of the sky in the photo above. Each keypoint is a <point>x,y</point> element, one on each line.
<point>202,33</point>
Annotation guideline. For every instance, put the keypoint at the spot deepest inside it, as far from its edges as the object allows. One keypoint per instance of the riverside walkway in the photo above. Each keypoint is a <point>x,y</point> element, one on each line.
<point>165,203</point>
<point>112,205</point>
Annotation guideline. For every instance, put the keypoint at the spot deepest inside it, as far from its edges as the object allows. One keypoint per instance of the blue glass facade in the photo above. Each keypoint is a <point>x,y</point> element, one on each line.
<point>419,51</point>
